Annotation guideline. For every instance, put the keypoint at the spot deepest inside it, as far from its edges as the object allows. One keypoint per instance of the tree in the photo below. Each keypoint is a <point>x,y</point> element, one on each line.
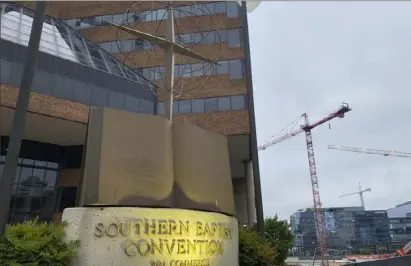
<point>279,235</point>
<point>254,250</point>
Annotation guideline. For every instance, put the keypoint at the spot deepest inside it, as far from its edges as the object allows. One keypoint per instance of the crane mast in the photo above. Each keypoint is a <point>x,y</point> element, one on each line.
<point>318,213</point>
<point>359,192</point>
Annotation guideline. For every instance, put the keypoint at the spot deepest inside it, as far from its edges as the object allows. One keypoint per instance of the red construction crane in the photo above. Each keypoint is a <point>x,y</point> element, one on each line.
<point>318,214</point>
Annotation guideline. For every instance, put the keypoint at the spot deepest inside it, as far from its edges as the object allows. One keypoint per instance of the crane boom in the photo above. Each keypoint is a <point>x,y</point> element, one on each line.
<point>318,212</point>
<point>339,113</point>
<point>371,151</point>
<point>280,139</point>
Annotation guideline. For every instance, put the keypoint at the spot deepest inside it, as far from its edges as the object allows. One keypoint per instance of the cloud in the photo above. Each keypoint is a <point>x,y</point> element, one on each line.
<point>311,56</point>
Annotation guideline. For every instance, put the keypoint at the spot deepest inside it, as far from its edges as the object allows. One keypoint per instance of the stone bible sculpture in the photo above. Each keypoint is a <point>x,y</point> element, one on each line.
<point>143,160</point>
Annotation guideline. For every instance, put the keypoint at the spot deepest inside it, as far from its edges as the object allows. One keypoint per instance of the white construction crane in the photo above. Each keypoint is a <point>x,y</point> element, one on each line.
<point>371,151</point>
<point>359,192</point>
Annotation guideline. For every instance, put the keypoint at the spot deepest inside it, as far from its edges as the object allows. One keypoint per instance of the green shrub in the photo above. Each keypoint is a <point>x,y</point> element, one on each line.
<point>254,250</point>
<point>36,244</point>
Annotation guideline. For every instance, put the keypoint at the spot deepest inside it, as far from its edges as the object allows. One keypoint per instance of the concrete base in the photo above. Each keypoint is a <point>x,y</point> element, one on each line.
<point>152,236</point>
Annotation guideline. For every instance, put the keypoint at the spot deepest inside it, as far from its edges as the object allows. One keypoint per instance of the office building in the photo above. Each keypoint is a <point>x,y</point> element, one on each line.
<point>400,231</point>
<point>348,229</point>
<point>400,224</point>
<point>81,64</point>
<point>401,210</point>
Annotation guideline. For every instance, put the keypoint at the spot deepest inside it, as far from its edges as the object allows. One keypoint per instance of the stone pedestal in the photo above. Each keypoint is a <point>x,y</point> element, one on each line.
<point>152,236</point>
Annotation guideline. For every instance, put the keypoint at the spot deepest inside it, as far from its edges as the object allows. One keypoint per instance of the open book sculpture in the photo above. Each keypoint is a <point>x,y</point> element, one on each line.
<point>137,160</point>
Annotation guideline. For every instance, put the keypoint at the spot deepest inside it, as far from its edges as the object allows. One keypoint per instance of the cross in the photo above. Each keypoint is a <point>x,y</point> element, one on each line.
<point>170,49</point>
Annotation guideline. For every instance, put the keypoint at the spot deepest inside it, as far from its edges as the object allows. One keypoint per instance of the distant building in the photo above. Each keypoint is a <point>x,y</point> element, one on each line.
<point>401,210</point>
<point>400,224</point>
<point>348,229</point>
<point>400,231</point>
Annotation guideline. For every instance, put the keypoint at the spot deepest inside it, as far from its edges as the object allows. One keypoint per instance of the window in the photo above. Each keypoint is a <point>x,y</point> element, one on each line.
<point>119,19</point>
<point>233,38</point>
<point>236,71</point>
<point>232,9</point>
<point>197,70</point>
<point>185,70</point>
<point>224,104</point>
<point>185,38</point>
<point>99,96</point>
<point>209,69</point>
<point>145,107</point>
<point>185,11</point>
<point>81,92</point>
<point>222,68</point>
<point>33,191</point>
<point>137,17</point>
<point>50,178</point>
<point>209,37</point>
<point>63,88</point>
<point>116,100</point>
<point>184,106</point>
<point>161,14</point>
<point>175,107</point>
<point>114,67</point>
<point>106,46</point>
<point>198,38</point>
<point>5,70</point>
<point>107,18</point>
<point>220,7</point>
<point>221,36</point>
<point>131,103</point>
<point>160,109</point>
<point>209,8</point>
<point>211,105</point>
<point>198,106</point>
<point>139,44</point>
<point>126,45</point>
<point>43,82</point>
<point>232,67</point>
<point>238,102</point>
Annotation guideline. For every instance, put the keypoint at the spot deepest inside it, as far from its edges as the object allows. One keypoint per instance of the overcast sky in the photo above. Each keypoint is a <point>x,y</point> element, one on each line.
<point>311,56</point>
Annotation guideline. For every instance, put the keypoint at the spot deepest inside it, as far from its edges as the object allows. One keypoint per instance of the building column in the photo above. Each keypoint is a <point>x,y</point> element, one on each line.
<point>250,193</point>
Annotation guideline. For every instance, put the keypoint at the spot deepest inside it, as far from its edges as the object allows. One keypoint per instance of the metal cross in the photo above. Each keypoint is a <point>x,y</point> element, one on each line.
<point>170,48</point>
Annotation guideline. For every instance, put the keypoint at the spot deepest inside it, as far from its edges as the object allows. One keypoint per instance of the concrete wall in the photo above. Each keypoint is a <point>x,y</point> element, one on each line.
<point>400,261</point>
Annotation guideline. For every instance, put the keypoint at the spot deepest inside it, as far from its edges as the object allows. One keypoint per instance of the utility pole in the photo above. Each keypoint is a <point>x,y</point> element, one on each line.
<point>19,119</point>
<point>169,64</point>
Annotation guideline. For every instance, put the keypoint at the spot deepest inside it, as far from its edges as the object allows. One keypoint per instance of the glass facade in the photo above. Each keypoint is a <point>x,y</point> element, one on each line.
<point>206,105</point>
<point>347,230</point>
<point>232,37</point>
<point>231,9</point>
<point>400,231</point>
<point>234,68</point>
<point>401,210</point>
<point>59,40</point>
<point>70,67</point>
<point>35,191</point>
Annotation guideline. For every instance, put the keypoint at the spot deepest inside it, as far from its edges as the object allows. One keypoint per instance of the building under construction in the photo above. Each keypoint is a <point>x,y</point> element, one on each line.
<point>347,230</point>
